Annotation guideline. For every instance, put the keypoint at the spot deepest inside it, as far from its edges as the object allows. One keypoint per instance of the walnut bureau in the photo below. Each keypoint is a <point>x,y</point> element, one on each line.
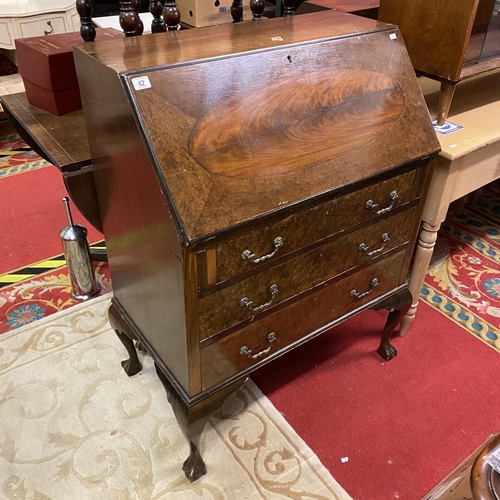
<point>258,183</point>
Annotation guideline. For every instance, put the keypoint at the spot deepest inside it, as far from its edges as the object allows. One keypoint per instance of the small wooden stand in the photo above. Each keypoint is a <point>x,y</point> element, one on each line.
<point>473,479</point>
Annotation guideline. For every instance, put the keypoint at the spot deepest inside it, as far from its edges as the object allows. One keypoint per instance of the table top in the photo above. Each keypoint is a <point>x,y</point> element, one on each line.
<point>475,107</point>
<point>62,139</point>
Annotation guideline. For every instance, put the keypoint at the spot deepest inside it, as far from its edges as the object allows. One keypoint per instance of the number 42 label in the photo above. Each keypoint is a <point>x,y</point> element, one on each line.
<point>141,83</point>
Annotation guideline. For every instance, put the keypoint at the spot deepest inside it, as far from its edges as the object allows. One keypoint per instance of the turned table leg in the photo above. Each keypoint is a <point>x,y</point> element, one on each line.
<point>132,365</point>
<point>445,98</point>
<point>425,246</point>
<point>192,420</point>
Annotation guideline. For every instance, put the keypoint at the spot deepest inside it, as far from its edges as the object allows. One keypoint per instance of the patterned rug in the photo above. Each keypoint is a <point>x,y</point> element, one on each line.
<point>41,289</point>
<point>16,157</point>
<point>73,425</point>
<point>463,281</point>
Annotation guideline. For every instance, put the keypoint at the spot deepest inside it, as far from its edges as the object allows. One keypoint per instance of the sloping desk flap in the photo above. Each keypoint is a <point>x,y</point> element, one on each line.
<point>239,134</point>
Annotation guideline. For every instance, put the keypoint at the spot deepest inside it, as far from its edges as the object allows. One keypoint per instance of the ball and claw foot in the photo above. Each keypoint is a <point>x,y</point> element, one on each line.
<point>387,351</point>
<point>131,367</point>
<point>194,467</point>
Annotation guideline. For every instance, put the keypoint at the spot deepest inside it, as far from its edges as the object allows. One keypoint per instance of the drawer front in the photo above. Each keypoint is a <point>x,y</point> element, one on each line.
<point>264,290</point>
<point>238,255</point>
<point>39,26</point>
<point>266,337</point>
<point>6,35</point>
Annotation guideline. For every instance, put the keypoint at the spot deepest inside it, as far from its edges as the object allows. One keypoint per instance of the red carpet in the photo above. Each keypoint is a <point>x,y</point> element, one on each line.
<point>403,424</point>
<point>32,215</point>
<point>34,280</point>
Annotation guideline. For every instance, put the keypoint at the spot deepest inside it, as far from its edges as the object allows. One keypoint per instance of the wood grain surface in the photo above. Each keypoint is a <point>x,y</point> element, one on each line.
<point>133,53</point>
<point>271,102</point>
<point>219,143</point>
<point>323,118</point>
<point>307,227</point>
<point>436,32</point>
<point>61,140</point>
<point>301,273</point>
<point>223,359</point>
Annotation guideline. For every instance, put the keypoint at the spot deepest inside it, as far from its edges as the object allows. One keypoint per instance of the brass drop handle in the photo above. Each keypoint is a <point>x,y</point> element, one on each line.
<point>49,24</point>
<point>364,248</point>
<point>373,284</point>
<point>245,351</point>
<point>370,205</point>
<point>246,302</point>
<point>248,255</point>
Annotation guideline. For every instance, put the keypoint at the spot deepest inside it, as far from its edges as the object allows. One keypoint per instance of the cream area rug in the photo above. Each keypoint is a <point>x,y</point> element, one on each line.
<point>74,426</point>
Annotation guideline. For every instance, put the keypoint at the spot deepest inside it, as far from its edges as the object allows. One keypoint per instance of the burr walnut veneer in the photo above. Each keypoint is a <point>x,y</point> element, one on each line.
<point>258,184</point>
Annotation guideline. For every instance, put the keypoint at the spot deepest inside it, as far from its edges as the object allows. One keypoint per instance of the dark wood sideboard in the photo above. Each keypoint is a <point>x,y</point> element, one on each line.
<point>259,183</point>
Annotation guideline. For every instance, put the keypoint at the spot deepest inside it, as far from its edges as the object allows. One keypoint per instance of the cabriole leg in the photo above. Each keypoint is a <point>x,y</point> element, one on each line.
<point>132,365</point>
<point>398,306</point>
<point>386,349</point>
<point>192,421</point>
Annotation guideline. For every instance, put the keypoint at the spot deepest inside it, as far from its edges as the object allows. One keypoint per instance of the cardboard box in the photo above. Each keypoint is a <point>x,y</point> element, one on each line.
<point>200,13</point>
<point>48,69</point>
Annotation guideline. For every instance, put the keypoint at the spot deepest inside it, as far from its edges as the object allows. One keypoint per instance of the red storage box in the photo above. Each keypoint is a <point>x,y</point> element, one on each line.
<point>48,69</point>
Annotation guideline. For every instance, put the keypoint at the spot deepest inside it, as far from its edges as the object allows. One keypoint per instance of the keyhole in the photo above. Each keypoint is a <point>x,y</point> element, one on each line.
<point>289,59</point>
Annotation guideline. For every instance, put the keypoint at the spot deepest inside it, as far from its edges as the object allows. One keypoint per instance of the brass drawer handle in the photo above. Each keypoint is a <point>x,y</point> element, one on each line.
<point>364,248</point>
<point>246,302</point>
<point>393,196</point>
<point>248,255</point>
<point>373,284</point>
<point>245,351</point>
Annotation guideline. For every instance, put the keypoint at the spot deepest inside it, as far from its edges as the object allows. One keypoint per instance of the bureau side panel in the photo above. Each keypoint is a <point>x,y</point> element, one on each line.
<point>145,257</point>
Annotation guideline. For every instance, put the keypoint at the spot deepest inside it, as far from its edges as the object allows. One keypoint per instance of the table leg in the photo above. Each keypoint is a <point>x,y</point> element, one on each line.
<point>445,98</point>
<point>398,306</point>
<point>458,205</point>
<point>192,420</point>
<point>132,365</point>
<point>82,191</point>
<point>425,246</point>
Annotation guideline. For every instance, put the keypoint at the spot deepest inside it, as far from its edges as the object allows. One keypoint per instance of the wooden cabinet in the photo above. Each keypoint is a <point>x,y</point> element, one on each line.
<point>41,17</point>
<point>259,183</point>
<point>447,40</point>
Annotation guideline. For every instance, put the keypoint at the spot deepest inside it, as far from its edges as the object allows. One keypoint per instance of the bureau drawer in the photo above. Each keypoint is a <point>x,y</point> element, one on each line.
<point>265,338</point>
<point>268,288</point>
<point>236,256</point>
